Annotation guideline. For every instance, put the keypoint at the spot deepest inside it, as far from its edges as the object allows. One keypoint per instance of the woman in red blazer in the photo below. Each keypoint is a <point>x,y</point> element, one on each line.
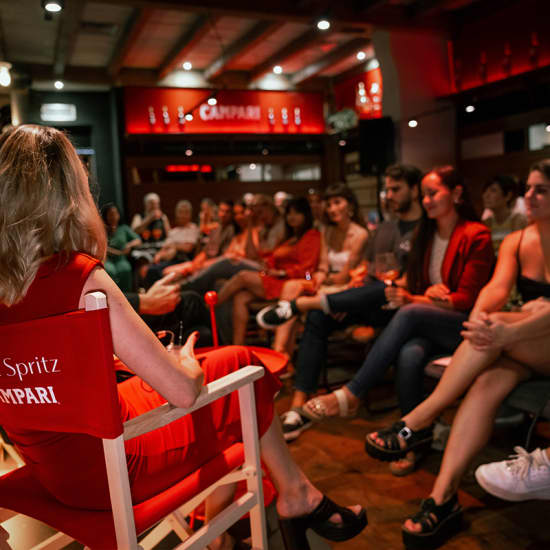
<point>451,260</point>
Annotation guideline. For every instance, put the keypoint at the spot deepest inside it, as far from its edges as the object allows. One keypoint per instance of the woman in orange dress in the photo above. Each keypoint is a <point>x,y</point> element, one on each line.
<point>295,258</point>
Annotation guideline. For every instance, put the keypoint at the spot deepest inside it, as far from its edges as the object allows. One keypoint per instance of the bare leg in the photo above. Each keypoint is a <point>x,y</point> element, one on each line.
<point>472,426</point>
<point>308,303</point>
<point>220,499</point>
<point>299,398</point>
<point>297,495</point>
<point>249,280</point>
<point>283,334</point>
<point>240,315</point>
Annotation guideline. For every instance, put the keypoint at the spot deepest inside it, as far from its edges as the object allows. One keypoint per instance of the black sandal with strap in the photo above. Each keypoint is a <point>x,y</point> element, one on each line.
<point>438,524</point>
<point>294,530</point>
<point>392,450</point>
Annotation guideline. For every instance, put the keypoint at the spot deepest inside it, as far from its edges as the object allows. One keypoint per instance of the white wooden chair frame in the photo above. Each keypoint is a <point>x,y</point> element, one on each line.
<point>119,486</point>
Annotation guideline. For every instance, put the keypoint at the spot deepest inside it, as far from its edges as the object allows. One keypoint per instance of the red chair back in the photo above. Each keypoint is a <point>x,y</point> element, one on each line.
<point>54,373</point>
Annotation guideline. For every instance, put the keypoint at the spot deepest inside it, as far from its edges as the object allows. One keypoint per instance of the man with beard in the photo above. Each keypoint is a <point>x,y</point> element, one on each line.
<point>360,305</point>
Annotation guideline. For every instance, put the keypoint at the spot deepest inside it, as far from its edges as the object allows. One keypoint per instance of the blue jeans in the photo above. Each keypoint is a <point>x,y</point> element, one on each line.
<point>362,306</point>
<point>416,332</point>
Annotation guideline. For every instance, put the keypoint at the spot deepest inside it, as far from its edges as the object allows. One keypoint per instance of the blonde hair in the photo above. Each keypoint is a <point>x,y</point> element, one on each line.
<point>45,207</point>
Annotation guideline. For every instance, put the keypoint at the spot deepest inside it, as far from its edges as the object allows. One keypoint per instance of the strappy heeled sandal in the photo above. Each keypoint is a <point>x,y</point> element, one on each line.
<point>392,450</point>
<point>316,410</point>
<point>438,524</point>
<point>294,530</point>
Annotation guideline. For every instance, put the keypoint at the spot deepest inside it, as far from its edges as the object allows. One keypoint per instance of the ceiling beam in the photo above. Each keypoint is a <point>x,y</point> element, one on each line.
<point>186,42</point>
<point>425,8</point>
<point>259,32</point>
<point>329,60</point>
<point>343,11</point>
<point>293,48</point>
<point>67,33</point>
<point>128,38</point>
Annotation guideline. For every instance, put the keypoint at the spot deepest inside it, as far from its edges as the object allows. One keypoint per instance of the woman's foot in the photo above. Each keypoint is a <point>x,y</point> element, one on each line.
<point>305,500</point>
<point>433,524</point>
<point>338,403</point>
<point>224,542</point>
<point>395,442</point>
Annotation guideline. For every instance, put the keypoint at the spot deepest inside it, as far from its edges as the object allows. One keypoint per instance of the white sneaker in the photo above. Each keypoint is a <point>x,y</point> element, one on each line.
<point>294,424</point>
<point>524,476</point>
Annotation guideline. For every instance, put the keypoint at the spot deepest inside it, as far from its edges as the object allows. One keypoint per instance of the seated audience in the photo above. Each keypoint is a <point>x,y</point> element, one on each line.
<point>499,196</point>
<point>182,239</point>
<point>343,242</point>
<point>315,198</point>
<point>451,260</point>
<point>153,225</point>
<point>65,247</point>
<point>121,241</point>
<point>297,255</point>
<point>361,305</point>
<point>500,350</point>
<point>217,241</point>
<point>208,218</point>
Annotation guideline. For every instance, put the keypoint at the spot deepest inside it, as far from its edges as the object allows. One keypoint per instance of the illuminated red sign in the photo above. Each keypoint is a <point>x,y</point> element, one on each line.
<point>363,93</point>
<point>204,168</point>
<point>176,111</point>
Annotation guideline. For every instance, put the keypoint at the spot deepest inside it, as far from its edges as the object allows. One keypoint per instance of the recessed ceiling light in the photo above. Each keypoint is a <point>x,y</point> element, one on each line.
<point>188,152</point>
<point>342,143</point>
<point>548,128</point>
<point>53,6</point>
<point>5,76</point>
<point>470,108</point>
<point>361,55</point>
<point>187,65</point>
<point>59,84</point>
<point>252,166</point>
<point>413,123</point>
<point>323,25</point>
<point>277,69</point>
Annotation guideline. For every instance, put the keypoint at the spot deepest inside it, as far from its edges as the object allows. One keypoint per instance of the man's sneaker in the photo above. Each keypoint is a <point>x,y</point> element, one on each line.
<point>294,424</point>
<point>271,317</point>
<point>524,476</point>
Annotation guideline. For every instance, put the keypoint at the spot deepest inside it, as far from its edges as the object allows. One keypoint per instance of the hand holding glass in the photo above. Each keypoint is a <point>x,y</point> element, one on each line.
<point>386,269</point>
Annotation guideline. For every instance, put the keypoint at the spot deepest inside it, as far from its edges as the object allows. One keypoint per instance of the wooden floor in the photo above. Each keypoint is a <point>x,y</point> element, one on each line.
<point>332,454</point>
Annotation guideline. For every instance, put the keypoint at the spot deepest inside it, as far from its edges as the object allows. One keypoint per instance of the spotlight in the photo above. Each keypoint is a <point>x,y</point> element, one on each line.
<point>277,69</point>
<point>342,143</point>
<point>188,152</point>
<point>58,85</point>
<point>470,108</point>
<point>53,6</point>
<point>361,55</point>
<point>5,76</point>
<point>413,123</point>
<point>187,65</point>
<point>548,128</point>
<point>189,118</point>
<point>212,101</point>
<point>323,24</point>
<point>252,166</point>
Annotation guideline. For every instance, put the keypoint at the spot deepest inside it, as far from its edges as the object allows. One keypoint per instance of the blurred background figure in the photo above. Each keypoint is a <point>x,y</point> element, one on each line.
<point>280,198</point>
<point>208,218</point>
<point>315,199</point>
<point>499,197</point>
<point>120,242</point>
<point>153,225</point>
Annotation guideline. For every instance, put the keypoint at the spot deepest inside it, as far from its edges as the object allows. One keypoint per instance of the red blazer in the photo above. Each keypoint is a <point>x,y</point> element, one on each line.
<point>467,265</point>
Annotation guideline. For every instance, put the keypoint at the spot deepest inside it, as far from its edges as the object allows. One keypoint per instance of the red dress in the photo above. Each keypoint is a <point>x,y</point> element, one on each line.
<point>71,466</point>
<point>295,259</point>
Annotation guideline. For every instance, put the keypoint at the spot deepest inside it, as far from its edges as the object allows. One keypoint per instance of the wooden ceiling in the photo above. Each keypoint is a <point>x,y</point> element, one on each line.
<point>230,43</point>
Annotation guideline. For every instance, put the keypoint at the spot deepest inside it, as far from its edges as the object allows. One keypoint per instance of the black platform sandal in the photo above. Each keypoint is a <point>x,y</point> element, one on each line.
<point>391,449</point>
<point>438,524</point>
<point>294,530</point>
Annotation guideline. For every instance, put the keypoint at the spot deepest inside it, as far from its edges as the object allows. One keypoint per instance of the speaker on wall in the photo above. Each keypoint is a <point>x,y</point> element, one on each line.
<point>376,145</point>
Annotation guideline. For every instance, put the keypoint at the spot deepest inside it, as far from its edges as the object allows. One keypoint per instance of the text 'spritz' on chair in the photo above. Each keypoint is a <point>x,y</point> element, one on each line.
<point>79,395</point>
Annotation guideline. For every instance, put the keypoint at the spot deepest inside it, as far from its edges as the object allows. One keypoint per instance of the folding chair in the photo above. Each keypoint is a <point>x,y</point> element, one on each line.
<point>67,401</point>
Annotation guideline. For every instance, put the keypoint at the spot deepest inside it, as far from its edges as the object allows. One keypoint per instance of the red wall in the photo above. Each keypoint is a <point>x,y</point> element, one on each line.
<point>520,30</point>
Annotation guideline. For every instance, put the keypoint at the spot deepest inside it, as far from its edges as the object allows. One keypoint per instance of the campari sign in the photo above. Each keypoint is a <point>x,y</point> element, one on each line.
<point>177,110</point>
